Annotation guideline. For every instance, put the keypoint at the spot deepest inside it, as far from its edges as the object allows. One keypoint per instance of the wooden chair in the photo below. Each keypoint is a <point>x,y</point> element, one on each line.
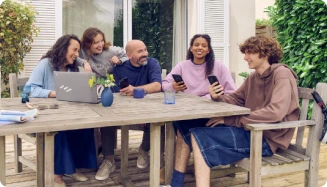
<point>297,157</point>
<point>38,140</point>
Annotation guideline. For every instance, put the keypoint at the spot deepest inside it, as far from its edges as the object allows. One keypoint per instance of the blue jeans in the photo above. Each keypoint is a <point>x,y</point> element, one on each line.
<point>222,145</point>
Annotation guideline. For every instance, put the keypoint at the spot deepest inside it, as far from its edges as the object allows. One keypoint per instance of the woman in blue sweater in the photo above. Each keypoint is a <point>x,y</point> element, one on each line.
<point>75,148</point>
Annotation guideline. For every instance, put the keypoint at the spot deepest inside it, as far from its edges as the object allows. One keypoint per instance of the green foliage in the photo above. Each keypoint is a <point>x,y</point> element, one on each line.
<point>108,82</point>
<point>262,22</point>
<point>302,31</point>
<point>244,75</point>
<point>16,31</point>
<point>153,24</point>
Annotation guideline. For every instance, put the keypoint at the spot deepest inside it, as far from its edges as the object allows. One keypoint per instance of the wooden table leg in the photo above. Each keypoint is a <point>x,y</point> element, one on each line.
<point>124,179</point>
<point>3,160</point>
<point>49,159</point>
<point>169,152</point>
<point>155,130</point>
<point>39,159</point>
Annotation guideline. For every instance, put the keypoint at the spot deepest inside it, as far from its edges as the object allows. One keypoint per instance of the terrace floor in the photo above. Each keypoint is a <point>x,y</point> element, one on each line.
<point>141,176</point>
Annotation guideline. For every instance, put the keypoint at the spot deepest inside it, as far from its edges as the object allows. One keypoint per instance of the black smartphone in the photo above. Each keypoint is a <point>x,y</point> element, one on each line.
<point>177,78</point>
<point>212,79</point>
<point>123,83</point>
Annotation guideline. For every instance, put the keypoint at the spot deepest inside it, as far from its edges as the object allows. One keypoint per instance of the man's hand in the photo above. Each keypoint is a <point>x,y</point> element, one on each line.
<point>115,60</point>
<point>215,121</point>
<point>216,90</point>
<point>179,86</point>
<point>127,91</point>
<point>87,67</point>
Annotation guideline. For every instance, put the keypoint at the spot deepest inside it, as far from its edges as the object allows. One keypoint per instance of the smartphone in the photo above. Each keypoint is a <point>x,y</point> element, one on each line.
<point>177,78</point>
<point>212,79</point>
<point>123,83</point>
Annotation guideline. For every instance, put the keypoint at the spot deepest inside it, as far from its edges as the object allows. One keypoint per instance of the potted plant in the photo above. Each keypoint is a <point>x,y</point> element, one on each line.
<point>103,88</point>
<point>17,29</point>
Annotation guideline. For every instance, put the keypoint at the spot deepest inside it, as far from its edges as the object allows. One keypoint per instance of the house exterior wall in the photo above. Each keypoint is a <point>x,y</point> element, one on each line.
<point>242,26</point>
<point>260,6</point>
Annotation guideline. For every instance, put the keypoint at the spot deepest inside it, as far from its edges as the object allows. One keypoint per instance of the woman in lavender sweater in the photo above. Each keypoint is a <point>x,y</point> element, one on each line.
<point>195,70</point>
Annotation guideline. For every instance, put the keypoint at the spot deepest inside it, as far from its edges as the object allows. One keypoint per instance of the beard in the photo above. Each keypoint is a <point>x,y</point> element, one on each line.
<point>144,62</point>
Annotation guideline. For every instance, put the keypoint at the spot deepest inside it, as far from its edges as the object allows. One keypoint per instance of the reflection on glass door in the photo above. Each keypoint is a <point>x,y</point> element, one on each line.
<point>79,15</point>
<point>153,24</point>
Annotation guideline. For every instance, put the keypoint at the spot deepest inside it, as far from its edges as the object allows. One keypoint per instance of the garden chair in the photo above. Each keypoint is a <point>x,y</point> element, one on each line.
<point>297,157</point>
<point>37,140</point>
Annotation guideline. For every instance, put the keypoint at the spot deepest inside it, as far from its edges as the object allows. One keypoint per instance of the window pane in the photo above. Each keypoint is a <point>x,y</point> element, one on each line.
<point>153,24</point>
<point>79,15</point>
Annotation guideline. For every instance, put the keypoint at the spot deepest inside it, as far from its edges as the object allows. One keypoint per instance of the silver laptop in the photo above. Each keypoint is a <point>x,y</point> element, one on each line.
<point>73,86</point>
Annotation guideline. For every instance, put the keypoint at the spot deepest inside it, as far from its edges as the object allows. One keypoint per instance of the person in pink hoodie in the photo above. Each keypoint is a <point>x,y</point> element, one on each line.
<point>194,71</point>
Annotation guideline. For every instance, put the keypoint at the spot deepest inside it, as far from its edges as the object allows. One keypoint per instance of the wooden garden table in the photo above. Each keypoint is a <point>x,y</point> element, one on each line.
<point>125,111</point>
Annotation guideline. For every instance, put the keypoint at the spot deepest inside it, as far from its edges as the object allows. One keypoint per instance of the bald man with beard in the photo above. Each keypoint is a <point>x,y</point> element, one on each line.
<point>142,72</point>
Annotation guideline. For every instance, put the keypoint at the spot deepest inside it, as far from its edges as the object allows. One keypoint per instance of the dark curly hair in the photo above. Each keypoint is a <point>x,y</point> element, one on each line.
<point>87,38</point>
<point>210,57</point>
<point>265,46</point>
<point>58,52</point>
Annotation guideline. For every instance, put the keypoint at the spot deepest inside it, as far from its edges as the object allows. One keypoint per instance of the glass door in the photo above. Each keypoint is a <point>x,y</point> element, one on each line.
<point>152,22</point>
<point>103,14</point>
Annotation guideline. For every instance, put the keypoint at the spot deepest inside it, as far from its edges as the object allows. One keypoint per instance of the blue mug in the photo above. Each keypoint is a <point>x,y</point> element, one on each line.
<point>139,93</point>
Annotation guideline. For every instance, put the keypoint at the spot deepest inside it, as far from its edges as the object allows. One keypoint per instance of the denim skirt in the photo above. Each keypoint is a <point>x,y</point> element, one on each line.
<point>222,145</point>
<point>184,127</point>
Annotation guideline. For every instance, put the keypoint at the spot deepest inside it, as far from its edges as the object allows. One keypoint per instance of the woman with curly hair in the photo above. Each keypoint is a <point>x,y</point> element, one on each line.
<point>76,148</point>
<point>195,70</point>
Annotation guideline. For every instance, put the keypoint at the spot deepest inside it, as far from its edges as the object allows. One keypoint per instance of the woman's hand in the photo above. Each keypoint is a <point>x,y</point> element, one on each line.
<point>52,94</point>
<point>179,86</point>
<point>115,60</point>
<point>216,90</point>
<point>87,67</point>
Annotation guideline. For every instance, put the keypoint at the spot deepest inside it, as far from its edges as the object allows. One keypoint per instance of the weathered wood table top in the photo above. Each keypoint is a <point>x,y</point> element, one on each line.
<point>124,111</point>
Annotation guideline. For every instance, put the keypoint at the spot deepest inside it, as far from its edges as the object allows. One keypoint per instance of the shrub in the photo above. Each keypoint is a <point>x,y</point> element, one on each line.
<point>302,31</point>
<point>16,30</point>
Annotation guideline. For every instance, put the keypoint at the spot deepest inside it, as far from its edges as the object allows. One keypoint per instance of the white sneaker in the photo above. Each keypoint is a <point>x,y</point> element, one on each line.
<point>105,169</point>
<point>143,159</point>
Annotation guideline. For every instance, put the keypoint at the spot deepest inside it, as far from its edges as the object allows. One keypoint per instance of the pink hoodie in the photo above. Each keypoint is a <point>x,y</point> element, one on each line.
<point>195,79</point>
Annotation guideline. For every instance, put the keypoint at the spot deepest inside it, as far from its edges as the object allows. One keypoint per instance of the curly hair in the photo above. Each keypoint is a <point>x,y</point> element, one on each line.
<point>265,46</point>
<point>57,53</point>
<point>210,57</point>
<point>88,36</point>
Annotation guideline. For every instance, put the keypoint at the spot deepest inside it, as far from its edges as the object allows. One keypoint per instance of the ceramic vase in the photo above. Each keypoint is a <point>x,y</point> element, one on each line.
<point>107,97</point>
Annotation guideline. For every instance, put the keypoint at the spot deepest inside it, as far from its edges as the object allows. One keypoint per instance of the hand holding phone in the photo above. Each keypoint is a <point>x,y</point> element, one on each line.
<point>177,78</point>
<point>212,79</point>
<point>123,83</point>
<point>179,85</point>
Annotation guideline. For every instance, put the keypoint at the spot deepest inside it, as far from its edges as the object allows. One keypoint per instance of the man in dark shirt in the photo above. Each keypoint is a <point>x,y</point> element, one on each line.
<point>142,72</point>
